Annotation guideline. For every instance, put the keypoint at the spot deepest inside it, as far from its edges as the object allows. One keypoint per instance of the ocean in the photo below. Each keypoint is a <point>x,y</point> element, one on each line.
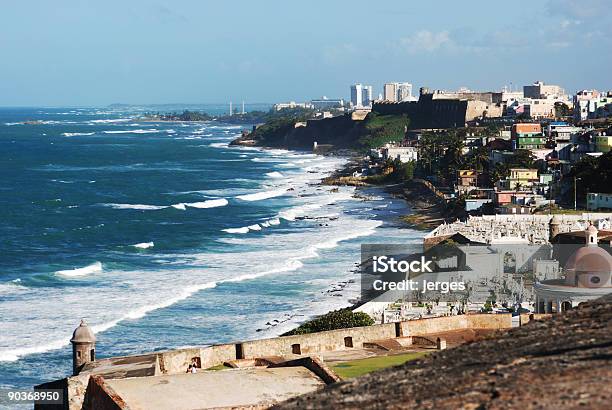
<point>161,236</point>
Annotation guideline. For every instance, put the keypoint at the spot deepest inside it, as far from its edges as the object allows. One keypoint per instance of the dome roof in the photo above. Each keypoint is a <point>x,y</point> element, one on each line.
<point>590,259</point>
<point>591,229</point>
<point>83,334</point>
<point>555,220</point>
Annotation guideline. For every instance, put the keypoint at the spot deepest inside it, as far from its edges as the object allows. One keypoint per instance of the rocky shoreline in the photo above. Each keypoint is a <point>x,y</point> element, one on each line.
<point>428,211</point>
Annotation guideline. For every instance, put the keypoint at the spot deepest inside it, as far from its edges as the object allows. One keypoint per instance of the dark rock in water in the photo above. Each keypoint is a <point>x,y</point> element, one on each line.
<point>558,363</point>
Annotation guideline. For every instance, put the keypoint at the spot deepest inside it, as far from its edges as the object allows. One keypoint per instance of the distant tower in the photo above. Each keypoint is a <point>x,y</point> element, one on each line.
<point>83,347</point>
<point>231,109</point>
<point>553,227</point>
<point>242,107</point>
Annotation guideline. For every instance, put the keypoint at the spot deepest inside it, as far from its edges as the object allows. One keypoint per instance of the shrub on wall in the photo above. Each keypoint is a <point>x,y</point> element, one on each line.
<point>337,319</point>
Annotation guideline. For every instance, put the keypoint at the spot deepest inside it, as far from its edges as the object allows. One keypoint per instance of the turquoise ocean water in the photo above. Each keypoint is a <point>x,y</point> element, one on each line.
<point>161,236</point>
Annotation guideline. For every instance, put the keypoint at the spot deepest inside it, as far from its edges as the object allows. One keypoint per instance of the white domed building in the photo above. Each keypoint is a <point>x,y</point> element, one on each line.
<point>588,275</point>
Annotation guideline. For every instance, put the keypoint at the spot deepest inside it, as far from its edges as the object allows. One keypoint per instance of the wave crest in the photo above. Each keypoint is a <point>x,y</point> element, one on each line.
<point>95,267</point>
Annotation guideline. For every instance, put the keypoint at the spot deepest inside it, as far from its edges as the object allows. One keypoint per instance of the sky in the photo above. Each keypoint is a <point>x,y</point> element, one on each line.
<point>94,53</point>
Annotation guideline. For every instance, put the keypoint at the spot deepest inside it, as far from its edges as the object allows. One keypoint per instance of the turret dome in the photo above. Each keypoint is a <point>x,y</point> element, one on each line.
<point>83,334</point>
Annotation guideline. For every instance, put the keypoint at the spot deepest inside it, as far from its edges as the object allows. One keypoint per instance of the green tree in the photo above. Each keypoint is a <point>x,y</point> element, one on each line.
<point>521,158</point>
<point>337,319</point>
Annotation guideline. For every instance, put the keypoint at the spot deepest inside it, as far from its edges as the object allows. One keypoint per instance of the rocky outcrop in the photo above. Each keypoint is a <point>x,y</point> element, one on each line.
<point>341,132</point>
<point>559,363</point>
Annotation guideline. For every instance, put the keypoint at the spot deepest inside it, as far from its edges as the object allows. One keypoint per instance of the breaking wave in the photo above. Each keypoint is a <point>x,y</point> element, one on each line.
<point>211,203</point>
<point>95,267</point>
<point>258,196</point>
<point>137,131</point>
<point>144,245</point>
<point>139,207</point>
<point>77,134</point>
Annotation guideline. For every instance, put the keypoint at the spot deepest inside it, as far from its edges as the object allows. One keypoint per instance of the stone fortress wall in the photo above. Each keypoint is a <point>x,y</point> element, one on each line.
<point>177,361</point>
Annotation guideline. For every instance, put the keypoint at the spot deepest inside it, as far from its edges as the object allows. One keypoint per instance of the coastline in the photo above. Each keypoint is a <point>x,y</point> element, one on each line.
<point>426,210</point>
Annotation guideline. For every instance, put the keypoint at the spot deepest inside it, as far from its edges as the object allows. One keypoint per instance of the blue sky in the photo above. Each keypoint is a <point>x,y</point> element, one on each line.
<point>161,51</point>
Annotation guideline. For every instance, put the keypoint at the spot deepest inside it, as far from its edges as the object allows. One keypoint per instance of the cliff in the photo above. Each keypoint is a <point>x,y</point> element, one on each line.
<point>560,363</point>
<point>340,132</point>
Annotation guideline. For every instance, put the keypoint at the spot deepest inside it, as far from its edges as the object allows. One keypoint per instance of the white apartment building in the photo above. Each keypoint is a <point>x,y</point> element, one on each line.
<point>541,91</point>
<point>398,92</point>
<point>589,104</point>
<point>361,95</point>
<point>290,105</point>
<point>404,154</point>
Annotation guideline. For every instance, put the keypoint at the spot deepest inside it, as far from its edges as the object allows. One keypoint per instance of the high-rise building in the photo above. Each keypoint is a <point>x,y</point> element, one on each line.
<point>361,95</point>
<point>404,91</point>
<point>390,92</point>
<point>367,95</point>
<point>398,92</point>
<point>356,95</point>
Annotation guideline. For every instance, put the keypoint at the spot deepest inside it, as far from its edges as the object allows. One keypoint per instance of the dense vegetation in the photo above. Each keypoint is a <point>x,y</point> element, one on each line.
<point>251,117</point>
<point>382,129</point>
<point>337,319</point>
<point>442,155</point>
<point>183,116</point>
<point>277,124</point>
<point>394,171</point>
<point>259,117</point>
<point>593,174</point>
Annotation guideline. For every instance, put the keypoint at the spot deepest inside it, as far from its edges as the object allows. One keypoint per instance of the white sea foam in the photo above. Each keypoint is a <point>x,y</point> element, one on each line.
<point>95,267</point>
<point>179,206</point>
<point>211,203</point>
<point>110,121</point>
<point>12,355</point>
<point>289,253</point>
<point>244,229</point>
<point>254,227</point>
<point>137,131</point>
<point>144,245</point>
<point>141,207</point>
<point>275,174</point>
<point>218,144</point>
<point>262,195</point>
<point>276,252</point>
<point>77,134</point>
<point>11,288</point>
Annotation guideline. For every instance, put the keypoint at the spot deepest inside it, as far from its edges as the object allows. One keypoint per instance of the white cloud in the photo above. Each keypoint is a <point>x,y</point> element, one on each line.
<point>579,9</point>
<point>425,41</point>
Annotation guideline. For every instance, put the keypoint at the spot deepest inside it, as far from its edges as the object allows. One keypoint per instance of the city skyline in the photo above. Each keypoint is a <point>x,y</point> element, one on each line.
<point>67,53</point>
